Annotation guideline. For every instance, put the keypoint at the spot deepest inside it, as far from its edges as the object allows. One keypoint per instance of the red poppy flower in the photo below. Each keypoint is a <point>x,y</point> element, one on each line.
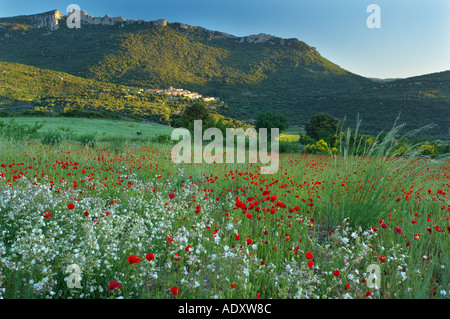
<point>175,290</point>
<point>249,241</point>
<point>383,259</point>
<point>347,286</point>
<point>310,264</point>
<point>71,206</point>
<point>149,257</point>
<point>336,273</point>
<point>258,295</point>
<point>114,285</point>
<point>171,196</point>
<point>233,286</point>
<point>47,214</point>
<point>368,294</point>
<point>177,257</point>
<point>188,248</point>
<point>238,236</point>
<point>133,259</point>
<point>309,255</point>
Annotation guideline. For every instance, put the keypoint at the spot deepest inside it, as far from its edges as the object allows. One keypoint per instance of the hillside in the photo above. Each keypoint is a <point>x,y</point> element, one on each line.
<point>251,74</point>
<point>43,92</point>
<point>419,100</point>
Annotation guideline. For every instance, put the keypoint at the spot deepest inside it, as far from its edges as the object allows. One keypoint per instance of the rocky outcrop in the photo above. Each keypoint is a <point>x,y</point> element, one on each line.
<point>106,20</point>
<point>160,22</point>
<point>47,20</point>
<point>223,35</point>
<point>262,38</point>
<point>51,20</point>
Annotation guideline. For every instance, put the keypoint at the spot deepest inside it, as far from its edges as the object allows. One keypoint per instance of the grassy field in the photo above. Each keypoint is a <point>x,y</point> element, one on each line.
<point>104,129</point>
<point>94,222</point>
<point>111,129</point>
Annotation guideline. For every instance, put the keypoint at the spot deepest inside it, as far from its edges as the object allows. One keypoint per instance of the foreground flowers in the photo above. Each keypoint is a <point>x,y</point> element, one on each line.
<point>114,285</point>
<point>175,290</point>
<point>47,214</point>
<point>133,259</point>
<point>131,227</point>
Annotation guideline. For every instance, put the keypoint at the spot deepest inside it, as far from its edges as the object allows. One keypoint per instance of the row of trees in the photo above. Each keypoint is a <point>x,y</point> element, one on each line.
<point>198,111</point>
<point>324,133</point>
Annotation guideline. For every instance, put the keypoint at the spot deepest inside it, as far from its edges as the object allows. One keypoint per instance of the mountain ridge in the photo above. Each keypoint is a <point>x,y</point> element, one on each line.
<point>50,20</point>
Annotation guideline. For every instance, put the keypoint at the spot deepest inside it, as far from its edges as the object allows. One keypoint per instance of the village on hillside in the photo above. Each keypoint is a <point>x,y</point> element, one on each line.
<point>181,92</point>
<point>171,92</point>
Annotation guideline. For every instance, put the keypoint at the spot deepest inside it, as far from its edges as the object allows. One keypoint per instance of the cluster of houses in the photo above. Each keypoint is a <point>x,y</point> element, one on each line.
<point>182,92</point>
<point>170,91</point>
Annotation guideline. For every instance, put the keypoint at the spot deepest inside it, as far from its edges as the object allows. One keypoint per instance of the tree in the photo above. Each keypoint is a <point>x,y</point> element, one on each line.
<point>322,126</point>
<point>271,120</point>
<point>196,111</point>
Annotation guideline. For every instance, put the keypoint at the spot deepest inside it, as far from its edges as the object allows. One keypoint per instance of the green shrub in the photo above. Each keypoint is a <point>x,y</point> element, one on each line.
<point>289,147</point>
<point>53,137</point>
<point>15,131</point>
<point>306,140</point>
<point>88,140</point>
<point>163,139</point>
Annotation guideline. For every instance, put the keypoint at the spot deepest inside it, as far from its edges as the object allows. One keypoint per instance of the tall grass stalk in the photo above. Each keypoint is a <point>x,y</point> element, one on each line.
<point>384,161</point>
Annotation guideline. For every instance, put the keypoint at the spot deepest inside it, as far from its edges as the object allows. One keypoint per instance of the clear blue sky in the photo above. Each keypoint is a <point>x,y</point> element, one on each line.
<point>414,37</point>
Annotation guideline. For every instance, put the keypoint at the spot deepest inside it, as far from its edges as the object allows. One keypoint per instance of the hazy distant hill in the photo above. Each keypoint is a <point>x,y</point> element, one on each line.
<point>251,74</point>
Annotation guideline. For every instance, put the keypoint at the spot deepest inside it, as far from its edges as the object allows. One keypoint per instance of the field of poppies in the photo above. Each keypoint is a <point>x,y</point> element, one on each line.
<point>97,222</point>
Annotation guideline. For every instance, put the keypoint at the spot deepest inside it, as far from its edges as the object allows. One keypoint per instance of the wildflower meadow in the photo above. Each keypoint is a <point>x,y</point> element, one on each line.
<point>95,221</point>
